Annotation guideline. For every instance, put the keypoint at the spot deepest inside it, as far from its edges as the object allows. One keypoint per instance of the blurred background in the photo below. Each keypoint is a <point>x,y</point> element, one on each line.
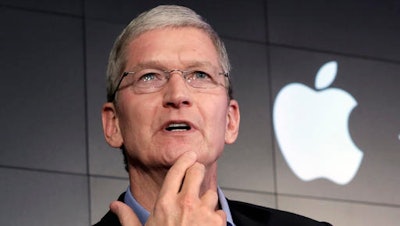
<point>56,169</point>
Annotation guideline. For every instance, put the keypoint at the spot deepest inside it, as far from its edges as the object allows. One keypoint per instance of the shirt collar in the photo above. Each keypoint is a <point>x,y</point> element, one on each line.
<point>143,214</point>
<point>225,207</point>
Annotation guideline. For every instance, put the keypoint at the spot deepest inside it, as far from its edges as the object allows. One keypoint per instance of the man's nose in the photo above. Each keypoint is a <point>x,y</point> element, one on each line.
<point>177,93</point>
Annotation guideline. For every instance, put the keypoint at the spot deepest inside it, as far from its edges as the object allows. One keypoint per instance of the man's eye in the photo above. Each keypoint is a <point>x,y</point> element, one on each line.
<point>148,77</point>
<point>201,75</point>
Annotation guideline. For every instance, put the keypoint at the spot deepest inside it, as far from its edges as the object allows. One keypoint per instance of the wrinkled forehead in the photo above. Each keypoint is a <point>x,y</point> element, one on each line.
<point>182,46</point>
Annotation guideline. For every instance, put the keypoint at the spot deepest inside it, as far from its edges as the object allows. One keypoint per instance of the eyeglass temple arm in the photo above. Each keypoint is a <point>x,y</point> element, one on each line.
<point>112,97</point>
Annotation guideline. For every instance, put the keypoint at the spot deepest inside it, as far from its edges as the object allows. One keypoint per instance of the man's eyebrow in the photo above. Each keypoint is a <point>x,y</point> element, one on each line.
<point>149,64</point>
<point>201,64</point>
<point>160,65</point>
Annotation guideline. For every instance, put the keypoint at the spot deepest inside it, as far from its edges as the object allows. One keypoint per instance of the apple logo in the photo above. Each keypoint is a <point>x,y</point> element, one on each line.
<point>311,127</point>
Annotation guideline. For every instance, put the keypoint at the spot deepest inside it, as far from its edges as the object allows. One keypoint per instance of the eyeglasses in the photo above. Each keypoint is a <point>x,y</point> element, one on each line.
<point>152,80</point>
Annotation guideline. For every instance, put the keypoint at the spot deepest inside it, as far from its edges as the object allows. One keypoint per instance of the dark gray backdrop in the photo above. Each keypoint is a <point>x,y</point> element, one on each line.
<point>55,168</point>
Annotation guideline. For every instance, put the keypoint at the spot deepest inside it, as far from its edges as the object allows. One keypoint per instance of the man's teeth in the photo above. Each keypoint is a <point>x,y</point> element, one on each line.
<point>178,127</point>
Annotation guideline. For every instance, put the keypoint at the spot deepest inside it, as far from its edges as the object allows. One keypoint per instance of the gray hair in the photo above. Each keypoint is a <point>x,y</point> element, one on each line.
<point>160,17</point>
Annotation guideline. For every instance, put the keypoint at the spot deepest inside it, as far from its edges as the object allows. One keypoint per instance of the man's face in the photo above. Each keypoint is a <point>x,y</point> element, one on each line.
<point>143,122</point>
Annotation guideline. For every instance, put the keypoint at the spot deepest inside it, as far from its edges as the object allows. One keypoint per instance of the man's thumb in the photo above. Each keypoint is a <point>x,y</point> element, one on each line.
<point>125,214</point>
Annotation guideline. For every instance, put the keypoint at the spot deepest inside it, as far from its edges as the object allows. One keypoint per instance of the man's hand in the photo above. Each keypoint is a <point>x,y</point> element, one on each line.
<point>125,214</point>
<point>179,201</point>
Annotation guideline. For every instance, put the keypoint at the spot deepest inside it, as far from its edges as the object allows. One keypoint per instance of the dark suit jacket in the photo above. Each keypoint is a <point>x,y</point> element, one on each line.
<point>243,214</point>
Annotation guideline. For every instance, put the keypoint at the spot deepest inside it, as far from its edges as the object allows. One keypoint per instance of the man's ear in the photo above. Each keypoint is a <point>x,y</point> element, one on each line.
<point>232,122</point>
<point>111,129</point>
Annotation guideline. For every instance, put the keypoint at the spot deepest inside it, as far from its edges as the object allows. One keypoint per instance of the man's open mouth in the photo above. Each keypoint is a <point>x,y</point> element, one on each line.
<point>178,127</point>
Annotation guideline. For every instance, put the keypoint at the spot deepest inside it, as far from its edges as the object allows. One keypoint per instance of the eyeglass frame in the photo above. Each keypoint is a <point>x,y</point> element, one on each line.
<point>183,74</point>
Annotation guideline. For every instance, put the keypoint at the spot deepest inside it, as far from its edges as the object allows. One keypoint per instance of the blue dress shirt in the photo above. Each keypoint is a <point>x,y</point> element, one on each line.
<point>143,214</point>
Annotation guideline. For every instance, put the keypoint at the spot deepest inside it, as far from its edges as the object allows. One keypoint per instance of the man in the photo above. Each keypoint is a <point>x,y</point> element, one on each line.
<point>170,109</point>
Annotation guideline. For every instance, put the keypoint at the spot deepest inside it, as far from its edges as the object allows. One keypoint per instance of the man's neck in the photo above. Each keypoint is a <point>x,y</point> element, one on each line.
<point>145,185</point>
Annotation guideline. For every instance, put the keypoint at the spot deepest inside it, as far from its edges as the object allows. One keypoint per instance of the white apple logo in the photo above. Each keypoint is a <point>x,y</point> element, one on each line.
<point>312,131</point>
